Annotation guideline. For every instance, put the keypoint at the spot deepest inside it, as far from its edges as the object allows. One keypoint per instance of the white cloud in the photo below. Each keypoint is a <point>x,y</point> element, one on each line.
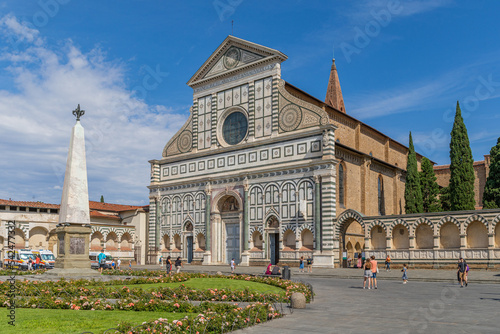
<point>122,131</point>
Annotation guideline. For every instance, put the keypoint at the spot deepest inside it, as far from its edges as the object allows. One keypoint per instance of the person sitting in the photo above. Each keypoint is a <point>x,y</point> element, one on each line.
<point>276,270</point>
<point>268,270</point>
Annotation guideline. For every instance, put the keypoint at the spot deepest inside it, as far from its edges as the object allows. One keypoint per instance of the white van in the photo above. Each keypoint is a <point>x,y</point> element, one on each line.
<point>47,257</point>
<point>94,260</point>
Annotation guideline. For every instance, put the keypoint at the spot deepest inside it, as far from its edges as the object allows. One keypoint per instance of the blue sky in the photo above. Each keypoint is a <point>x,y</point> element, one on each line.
<point>402,66</point>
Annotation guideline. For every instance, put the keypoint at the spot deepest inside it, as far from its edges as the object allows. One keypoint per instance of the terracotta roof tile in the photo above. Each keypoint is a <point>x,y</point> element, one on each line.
<point>29,204</point>
<point>97,214</point>
<point>92,205</point>
<point>112,207</point>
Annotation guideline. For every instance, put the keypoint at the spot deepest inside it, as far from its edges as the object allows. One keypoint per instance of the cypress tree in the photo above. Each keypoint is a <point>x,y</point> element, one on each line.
<point>461,188</point>
<point>429,186</point>
<point>491,195</point>
<point>102,199</point>
<point>444,199</point>
<point>413,193</point>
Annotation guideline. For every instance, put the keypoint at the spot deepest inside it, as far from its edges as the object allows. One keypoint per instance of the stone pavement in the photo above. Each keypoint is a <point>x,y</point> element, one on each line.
<point>341,306</point>
<point>426,275</point>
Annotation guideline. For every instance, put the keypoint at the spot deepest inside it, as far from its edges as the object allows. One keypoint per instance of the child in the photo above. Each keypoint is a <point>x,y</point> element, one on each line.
<point>232,266</point>
<point>130,265</point>
<point>301,264</point>
<point>405,275</point>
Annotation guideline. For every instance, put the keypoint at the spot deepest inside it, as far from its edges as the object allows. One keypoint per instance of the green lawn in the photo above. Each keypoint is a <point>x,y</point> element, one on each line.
<point>41,321</point>
<point>212,283</point>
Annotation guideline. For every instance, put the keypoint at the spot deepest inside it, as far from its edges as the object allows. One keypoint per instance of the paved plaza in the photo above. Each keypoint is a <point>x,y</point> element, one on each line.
<point>341,306</point>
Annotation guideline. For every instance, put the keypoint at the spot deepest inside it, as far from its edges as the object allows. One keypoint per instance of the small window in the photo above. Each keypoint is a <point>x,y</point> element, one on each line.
<point>2,207</point>
<point>341,186</point>
<point>32,209</point>
<point>381,202</point>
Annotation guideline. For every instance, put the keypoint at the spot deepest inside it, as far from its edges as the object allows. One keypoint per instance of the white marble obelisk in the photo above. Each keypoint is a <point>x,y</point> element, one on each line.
<point>75,195</point>
<point>73,230</point>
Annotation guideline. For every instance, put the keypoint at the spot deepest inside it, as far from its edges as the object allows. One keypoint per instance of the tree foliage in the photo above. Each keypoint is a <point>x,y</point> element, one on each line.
<point>413,193</point>
<point>429,186</point>
<point>444,199</point>
<point>102,199</point>
<point>491,195</point>
<point>461,188</point>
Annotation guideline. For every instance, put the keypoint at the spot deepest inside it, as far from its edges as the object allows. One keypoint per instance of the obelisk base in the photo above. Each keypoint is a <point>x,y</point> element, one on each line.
<point>72,252</point>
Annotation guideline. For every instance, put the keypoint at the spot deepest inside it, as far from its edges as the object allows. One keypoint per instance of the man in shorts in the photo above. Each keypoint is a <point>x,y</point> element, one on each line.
<point>374,271</point>
<point>102,260</point>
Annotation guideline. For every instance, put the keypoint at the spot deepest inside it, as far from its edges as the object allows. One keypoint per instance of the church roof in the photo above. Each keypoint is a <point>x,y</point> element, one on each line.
<point>331,111</point>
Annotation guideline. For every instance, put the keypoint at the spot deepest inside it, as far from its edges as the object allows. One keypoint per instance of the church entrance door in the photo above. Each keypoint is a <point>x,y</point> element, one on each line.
<point>232,242</point>
<point>189,241</point>
<point>274,248</point>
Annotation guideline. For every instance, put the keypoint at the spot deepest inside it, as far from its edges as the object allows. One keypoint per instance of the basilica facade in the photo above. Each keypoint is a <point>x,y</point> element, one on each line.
<point>262,171</point>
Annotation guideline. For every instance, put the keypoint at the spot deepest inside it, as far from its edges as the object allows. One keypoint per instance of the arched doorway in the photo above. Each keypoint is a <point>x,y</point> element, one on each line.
<point>226,229</point>
<point>273,231</point>
<point>352,233</point>
<point>188,234</point>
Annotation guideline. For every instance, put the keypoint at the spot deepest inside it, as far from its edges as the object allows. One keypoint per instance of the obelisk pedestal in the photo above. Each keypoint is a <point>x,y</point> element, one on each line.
<point>73,230</point>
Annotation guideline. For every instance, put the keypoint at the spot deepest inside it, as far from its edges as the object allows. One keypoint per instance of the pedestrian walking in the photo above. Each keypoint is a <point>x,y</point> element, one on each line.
<point>130,265</point>
<point>467,275</point>
<point>178,264</point>
<point>160,261</point>
<point>367,267</point>
<point>168,265</point>
<point>405,273</point>
<point>30,263</point>
<point>462,267</point>
<point>118,263</point>
<point>310,265</point>
<point>360,261</point>
<point>388,263</point>
<point>102,260</point>
<point>233,264</point>
<point>301,264</point>
<point>374,271</point>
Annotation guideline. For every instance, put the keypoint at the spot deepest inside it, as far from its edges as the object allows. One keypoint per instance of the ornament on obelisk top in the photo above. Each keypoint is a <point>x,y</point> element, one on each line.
<point>78,113</point>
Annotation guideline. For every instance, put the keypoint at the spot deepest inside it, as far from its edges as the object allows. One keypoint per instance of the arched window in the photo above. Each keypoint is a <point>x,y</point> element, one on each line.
<point>341,186</point>
<point>381,202</point>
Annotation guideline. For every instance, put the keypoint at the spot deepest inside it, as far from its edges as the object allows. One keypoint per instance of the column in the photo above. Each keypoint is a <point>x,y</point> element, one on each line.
<point>157,224</point>
<point>245,256</point>
<point>317,213</point>
<point>246,210</point>
<point>207,256</point>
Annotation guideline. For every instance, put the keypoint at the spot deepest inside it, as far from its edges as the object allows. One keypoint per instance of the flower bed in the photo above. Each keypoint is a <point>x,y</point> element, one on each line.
<point>9,272</point>
<point>216,307</point>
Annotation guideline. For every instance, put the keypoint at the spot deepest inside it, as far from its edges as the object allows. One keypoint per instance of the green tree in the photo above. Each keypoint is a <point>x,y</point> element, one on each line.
<point>102,199</point>
<point>491,195</point>
<point>429,186</point>
<point>444,199</point>
<point>461,188</point>
<point>413,193</point>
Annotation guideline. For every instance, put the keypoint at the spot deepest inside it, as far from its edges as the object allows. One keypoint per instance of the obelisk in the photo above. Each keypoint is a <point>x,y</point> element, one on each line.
<point>73,230</point>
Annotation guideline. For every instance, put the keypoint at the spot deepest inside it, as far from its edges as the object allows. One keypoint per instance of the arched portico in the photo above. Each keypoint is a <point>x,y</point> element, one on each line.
<point>350,229</point>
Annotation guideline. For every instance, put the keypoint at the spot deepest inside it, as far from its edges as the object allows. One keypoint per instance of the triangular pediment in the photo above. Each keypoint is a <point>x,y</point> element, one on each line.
<point>232,56</point>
